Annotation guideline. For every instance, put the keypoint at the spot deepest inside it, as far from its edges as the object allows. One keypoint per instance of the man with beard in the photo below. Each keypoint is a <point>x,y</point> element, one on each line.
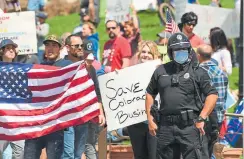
<point>75,138</point>
<point>117,50</point>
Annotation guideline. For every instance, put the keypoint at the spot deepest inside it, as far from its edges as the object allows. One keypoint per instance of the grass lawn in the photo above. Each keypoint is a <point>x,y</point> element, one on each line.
<point>150,26</point>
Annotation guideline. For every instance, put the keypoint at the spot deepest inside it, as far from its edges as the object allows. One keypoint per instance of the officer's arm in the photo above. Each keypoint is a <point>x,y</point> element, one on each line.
<point>152,91</point>
<point>210,92</point>
<point>149,103</point>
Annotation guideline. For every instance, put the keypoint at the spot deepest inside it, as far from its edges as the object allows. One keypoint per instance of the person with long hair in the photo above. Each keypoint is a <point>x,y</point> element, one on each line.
<point>143,143</point>
<point>219,45</point>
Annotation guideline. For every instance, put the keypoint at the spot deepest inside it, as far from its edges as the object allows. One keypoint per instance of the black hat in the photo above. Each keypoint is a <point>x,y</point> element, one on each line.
<point>7,42</point>
<point>88,46</point>
<point>189,17</point>
<point>177,41</point>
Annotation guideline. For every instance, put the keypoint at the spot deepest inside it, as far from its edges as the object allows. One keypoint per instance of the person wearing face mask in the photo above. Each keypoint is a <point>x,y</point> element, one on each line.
<point>143,143</point>
<point>187,98</point>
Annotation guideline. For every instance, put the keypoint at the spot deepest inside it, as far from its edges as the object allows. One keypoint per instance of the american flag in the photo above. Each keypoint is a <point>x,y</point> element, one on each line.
<point>171,26</point>
<point>36,100</point>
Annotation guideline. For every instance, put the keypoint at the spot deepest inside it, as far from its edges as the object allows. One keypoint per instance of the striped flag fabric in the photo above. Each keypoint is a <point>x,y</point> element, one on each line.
<point>36,100</point>
<point>171,26</point>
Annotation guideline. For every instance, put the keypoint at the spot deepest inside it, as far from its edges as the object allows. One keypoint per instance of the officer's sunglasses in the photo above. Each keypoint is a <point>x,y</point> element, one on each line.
<point>77,46</point>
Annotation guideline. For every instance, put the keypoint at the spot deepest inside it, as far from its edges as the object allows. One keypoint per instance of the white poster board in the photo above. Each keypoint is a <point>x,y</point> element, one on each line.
<point>118,10</point>
<point>21,28</point>
<point>209,17</point>
<point>145,4</point>
<point>123,94</point>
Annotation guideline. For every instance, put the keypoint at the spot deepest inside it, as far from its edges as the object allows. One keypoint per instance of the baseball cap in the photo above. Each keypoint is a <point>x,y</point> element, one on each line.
<point>164,34</point>
<point>7,42</point>
<point>41,15</point>
<point>53,38</point>
<point>88,46</point>
<point>83,12</point>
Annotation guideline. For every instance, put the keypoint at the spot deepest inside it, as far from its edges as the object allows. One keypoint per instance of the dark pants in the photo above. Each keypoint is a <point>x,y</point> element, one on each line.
<point>144,145</point>
<point>175,140</point>
<point>53,142</point>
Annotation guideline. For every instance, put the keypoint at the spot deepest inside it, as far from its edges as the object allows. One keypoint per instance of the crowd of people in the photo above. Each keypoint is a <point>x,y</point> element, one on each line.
<point>192,71</point>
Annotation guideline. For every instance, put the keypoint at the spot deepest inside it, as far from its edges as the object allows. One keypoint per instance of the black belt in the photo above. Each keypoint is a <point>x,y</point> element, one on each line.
<point>173,119</point>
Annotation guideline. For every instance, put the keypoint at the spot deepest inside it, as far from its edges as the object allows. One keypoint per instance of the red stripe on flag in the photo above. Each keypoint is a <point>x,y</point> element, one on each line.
<point>77,109</point>
<point>74,83</point>
<point>48,74</point>
<point>55,85</point>
<point>46,67</point>
<point>49,130</point>
<point>49,109</point>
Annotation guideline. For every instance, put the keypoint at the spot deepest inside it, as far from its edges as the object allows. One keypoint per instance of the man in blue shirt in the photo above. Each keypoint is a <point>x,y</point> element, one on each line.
<point>220,81</point>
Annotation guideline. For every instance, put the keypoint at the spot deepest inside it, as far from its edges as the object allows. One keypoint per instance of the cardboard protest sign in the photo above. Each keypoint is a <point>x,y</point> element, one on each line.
<point>21,28</point>
<point>209,17</point>
<point>123,94</point>
<point>118,10</point>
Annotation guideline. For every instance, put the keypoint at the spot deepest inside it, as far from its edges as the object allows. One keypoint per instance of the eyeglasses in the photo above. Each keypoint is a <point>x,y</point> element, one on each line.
<point>77,46</point>
<point>113,28</point>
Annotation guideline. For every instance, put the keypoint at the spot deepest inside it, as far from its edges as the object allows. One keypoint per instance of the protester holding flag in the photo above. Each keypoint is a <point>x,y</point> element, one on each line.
<point>54,142</point>
<point>8,53</point>
<point>80,134</point>
<point>188,22</point>
<point>144,144</point>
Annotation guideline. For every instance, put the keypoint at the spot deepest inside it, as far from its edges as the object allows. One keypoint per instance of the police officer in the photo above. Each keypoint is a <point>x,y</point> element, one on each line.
<point>181,85</point>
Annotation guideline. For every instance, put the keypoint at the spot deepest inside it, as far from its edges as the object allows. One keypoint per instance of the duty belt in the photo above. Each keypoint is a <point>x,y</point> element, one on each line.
<point>173,119</point>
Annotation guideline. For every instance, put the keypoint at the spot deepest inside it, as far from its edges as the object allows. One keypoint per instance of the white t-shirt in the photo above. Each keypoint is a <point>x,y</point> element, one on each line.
<point>224,59</point>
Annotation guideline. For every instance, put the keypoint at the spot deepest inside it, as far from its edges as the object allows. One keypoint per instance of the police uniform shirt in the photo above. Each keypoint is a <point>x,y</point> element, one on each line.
<point>177,98</point>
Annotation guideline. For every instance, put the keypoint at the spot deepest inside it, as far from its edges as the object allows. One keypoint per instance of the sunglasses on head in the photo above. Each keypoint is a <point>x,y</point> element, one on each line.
<point>113,28</point>
<point>191,23</point>
<point>77,46</point>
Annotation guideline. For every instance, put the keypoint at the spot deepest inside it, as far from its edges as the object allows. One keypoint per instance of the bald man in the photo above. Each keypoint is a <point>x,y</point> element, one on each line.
<point>220,81</point>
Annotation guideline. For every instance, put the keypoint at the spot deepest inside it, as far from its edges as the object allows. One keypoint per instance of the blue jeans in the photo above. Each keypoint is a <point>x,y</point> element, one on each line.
<point>13,149</point>
<point>80,133</point>
<point>93,131</point>
<point>53,142</point>
<point>68,143</point>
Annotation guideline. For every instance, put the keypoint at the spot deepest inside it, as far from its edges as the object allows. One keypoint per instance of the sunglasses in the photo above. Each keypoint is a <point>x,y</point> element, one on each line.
<point>189,24</point>
<point>77,46</point>
<point>113,28</point>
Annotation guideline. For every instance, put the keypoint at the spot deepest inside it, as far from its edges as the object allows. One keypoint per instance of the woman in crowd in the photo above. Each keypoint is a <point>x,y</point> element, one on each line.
<point>8,53</point>
<point>131,31</point>
<point>221,54</point>
<point>89,33</point>
<point>143,144</point>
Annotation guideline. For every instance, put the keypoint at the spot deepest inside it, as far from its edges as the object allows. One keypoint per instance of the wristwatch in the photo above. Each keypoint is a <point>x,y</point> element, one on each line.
<point>200,119</point>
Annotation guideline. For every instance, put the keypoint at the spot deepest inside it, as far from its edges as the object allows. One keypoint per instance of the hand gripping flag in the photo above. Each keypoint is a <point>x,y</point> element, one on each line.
<point>36,100</point>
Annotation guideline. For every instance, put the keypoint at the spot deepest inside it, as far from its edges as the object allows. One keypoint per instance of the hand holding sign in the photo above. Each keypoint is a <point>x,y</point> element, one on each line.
<point>123,94</point>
